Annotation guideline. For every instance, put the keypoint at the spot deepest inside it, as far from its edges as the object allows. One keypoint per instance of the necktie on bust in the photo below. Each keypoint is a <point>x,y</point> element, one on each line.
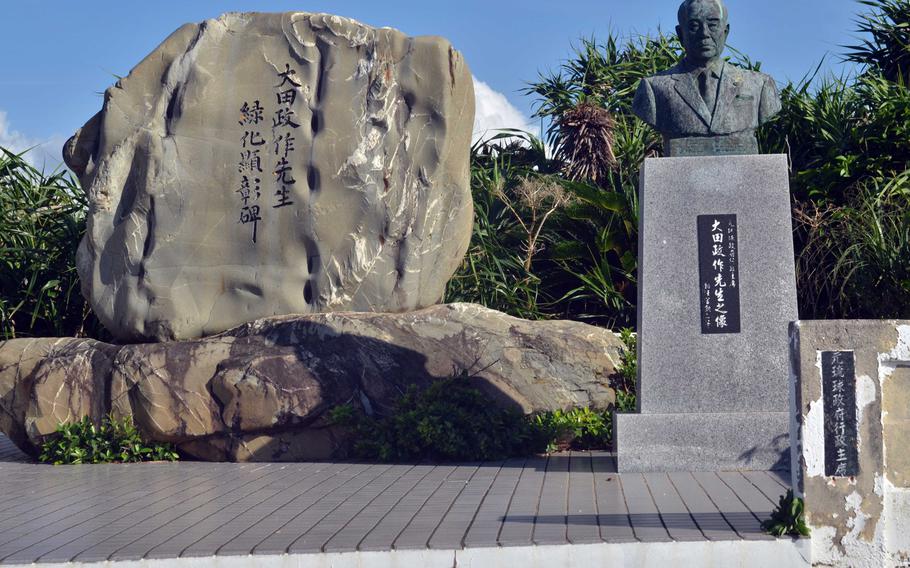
<point>708,89</point>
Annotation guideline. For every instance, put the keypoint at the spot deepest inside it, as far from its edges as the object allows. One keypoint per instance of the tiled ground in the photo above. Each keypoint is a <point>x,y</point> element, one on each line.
<point>191,509</point>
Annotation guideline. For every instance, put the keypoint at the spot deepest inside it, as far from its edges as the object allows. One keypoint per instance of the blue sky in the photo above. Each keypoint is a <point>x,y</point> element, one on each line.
<point>61,54</point>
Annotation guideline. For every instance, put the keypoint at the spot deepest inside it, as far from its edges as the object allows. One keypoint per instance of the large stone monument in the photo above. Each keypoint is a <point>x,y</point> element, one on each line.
<point>717,286</point>
<point>277,202</point>
<point>266,164</point>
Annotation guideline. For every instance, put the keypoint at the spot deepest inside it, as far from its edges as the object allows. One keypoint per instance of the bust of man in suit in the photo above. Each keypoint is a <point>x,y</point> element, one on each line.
<point>703,105</point>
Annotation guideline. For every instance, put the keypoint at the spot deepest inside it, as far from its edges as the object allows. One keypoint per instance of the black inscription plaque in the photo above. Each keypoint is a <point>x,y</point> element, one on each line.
<point>718,268</point>
<point>839,391</point>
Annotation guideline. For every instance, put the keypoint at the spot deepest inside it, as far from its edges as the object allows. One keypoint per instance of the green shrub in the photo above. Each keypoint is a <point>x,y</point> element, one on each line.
<point>788,518</point>
<point>627,375</point>
<point>848,139</point>
<point>113,441</point>
<point>449,420</point>
<point>499,269</point>
<point>575,429</point>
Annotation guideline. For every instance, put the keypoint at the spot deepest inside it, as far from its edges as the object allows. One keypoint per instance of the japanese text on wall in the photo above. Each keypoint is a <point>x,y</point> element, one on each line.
<point>839,393</point>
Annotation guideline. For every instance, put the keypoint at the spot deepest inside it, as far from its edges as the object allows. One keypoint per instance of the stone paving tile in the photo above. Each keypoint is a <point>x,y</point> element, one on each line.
<point>418,533</point>
<point>9,453</point>
<point>758,503</point>
<point>355,531</point>
<point>646,522</point>
<point>552,510</point>
<point>315,506</point>
<point>673,511</point>
<point>612,511</point>
<point>484,530</point>
<point>781,477</point>
<point>301,495</point>
<point>41,538</point>
<point>705,513</point>
<point>582,501</point>
<point>401,515</point>
<point>192,509</point>
<point>731,507</point>
<point>769,485</point>
<point>324,528</point>
<point>168,524</point>
<point>453,526</point>
<point>54,493</point>
<point>518,523</point>
<point>226,528</point>
<point>19,520</point>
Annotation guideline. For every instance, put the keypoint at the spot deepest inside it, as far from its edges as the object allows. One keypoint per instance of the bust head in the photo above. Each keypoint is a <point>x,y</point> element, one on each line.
<point>703,30</point>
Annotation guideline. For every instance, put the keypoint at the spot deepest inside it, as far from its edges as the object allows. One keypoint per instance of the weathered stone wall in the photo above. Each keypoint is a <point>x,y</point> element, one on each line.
<point>864,520</point>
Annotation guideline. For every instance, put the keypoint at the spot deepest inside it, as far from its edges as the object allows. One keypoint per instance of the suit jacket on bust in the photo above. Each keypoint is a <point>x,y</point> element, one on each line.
<point>670,102</point>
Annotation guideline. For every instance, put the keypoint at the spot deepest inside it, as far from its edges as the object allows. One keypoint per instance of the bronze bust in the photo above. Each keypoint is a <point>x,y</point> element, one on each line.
<point>703,105</point>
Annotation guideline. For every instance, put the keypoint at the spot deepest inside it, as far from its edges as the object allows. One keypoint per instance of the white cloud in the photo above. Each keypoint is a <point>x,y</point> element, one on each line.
<point>46,154</point>
<point>494,111</point>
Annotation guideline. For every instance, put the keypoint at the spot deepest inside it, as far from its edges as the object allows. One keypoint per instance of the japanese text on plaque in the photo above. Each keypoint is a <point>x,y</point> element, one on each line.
<point>718,264</point>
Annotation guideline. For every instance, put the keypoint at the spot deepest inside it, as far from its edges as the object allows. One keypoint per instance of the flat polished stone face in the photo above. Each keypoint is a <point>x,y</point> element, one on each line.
<point>682,369</point>
<point>711,146</point>
<point>685,371</point>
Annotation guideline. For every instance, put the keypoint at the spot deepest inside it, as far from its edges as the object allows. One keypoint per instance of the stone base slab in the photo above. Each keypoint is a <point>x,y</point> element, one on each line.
<point>782,553</point>
<point>264,391</point>
<point>702,442</point>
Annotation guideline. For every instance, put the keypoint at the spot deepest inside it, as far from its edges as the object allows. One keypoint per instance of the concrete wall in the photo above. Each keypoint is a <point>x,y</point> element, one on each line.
<point>861,521</point>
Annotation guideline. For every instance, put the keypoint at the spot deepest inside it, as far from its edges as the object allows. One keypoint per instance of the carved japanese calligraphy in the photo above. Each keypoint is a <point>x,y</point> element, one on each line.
<point>268,164</point>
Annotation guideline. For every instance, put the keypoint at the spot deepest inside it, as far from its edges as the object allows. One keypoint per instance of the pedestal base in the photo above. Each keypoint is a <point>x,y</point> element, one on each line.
<point>717,292</point>
<point>754,441</point>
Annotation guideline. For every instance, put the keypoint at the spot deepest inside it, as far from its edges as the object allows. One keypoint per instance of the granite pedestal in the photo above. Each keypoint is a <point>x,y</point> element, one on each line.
<point>712,398</point>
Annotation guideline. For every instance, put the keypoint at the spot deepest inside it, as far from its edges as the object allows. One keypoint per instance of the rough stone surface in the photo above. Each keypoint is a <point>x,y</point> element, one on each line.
<point>377,210</point>
<point>261,391</point>
<point>861,521</point>
<point>682,371</point>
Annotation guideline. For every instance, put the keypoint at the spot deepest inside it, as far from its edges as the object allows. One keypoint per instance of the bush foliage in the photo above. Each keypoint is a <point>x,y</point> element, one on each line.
<point>448,421</point>
<point>848,140</point>
<point>42,219</point>
<point>452,420</point>
<point>111,441</point>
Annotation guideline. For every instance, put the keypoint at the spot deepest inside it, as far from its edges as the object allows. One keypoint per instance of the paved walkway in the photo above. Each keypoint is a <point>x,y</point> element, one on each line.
<point>164,511</point>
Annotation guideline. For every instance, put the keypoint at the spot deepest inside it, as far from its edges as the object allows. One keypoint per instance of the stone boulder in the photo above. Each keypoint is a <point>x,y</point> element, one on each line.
<point>262,391</point>
<point>268,164</point>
